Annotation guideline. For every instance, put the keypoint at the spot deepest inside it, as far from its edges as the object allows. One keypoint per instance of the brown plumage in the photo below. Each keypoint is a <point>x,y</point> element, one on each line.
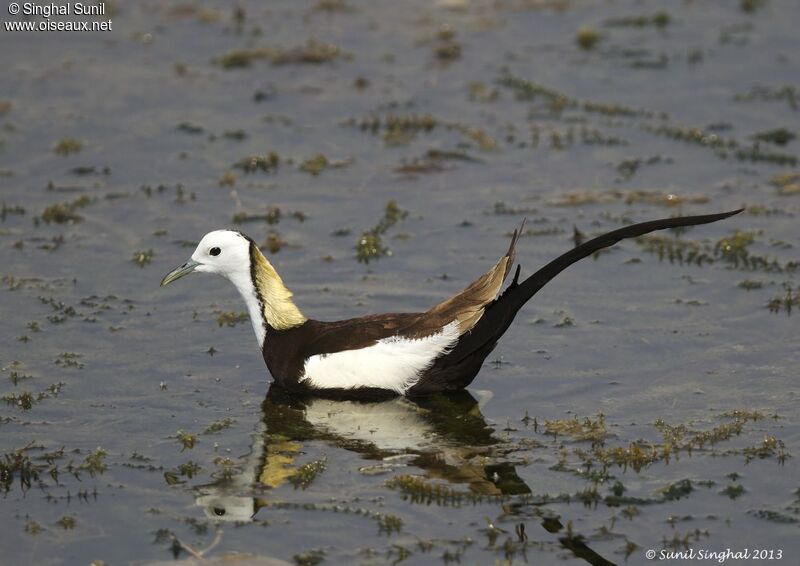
<point>441,349</point>
<point>482,315</point>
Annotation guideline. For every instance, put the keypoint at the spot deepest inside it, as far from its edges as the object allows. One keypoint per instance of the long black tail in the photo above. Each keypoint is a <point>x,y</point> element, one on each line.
<point>500,314</point>
<point>528,288</point>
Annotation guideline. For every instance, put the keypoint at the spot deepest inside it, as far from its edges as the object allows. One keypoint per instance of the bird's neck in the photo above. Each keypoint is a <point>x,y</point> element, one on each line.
<point>268,300</point>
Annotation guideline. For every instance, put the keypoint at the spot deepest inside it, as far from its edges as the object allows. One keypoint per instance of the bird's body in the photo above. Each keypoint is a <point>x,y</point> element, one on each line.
<point>441,349</point>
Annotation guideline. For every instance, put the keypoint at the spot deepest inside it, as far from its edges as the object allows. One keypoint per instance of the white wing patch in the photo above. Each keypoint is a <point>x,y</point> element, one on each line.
<point>394,363</point>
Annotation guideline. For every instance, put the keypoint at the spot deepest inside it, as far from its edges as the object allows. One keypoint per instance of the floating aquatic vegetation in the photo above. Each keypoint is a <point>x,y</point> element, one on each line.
<point>660,19</point>
<point>592,136</point>
<point>479,136</point>
<point>773,516</point>
<point>501,208</point>
<point>242,58</point>
<point>675,249</point>
<point>69,360</point>
<point>389,524</point>
<point>524,89</point>
<point>420,166</point>
<point>756,154</point>
<point>537,232</point>
<point>314,165</point>
<point>788,93</point>
<point>557,101</point>
<point>187,440</point>
<point>266,163</point>
<point>396,127</point>
<point>581,198</point>
<point>769,447</point>
<point>312,53</point>
<point>433,162</point>
<point>319,163</point>
<point>271,216</point>
<point>228,179</point>
<point>733,491</point>
<point>142,257</point>
<point>482,92</point>
<point>95,462</point>
<point>370,245</point>
<point>696,136</point>
<point>16,376</point>
<point>64,212</point>
<point>778,136</point>
<point>188,469</point>
<point>578,430</point>
<point>231,318</point>
<point>663,199</point>
<point>332,6</point>
<point>677,490</point>
<point>90,170</point>
<point>416,489</point>
<point>219,425</point>
<point>445,48</point>
<point>587,38</point>
<point>8,210</point>
<point>627,168</point>
<point>761,210</point>
<point>787,183</point>
<point>25,400</point>
<point>635,456</point>
<point>307,473</point>
<point>33,527</point>
<point>732,250</point>
<point>236,135</point>
<point>787,301</point>
<point>274,243</point>
<point>310,557</point>
<point>402,129</point>
<point>749,284</point>
<point>18,463</point>
<point>188,128</point>
<point>751,6</point>
<point>68,146</point>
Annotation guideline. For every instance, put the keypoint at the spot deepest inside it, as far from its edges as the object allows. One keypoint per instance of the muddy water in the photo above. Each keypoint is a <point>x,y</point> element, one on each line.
<point>646,399</point>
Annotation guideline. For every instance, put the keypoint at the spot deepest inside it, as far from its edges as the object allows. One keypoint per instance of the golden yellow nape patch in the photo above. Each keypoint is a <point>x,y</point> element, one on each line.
<point>280,312</point>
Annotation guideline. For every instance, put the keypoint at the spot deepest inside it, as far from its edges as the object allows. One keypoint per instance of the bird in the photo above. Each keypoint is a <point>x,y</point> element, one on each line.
<point>394,354</point>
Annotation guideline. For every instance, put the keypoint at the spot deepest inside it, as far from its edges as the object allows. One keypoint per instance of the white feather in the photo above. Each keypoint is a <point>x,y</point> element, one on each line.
<point>394,363</point>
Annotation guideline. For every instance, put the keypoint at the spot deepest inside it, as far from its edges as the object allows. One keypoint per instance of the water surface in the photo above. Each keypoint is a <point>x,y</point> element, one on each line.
<point>646,399</point>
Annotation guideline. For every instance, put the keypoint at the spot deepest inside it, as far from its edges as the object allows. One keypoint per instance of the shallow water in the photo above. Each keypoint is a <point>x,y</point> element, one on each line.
<point>135,420</point>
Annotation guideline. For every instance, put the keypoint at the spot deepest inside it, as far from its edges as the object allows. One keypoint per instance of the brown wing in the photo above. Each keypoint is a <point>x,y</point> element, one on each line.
<point>315,337</point>
<point>356,333</point>
<point>467,307</point>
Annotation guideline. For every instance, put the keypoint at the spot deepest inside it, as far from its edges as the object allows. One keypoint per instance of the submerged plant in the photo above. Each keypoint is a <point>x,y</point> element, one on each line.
<point>68,146</point>
<point>370,245</point>
<point>143,257</point>
<point>307,473</point>
<point>63,212</point>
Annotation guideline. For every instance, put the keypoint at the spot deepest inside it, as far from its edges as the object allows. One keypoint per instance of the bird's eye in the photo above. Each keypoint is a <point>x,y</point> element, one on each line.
<point>219,511</point>
<point>215,251</point>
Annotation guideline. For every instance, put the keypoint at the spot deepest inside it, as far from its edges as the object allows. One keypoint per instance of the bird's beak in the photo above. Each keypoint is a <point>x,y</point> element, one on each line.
<point>179,272</point>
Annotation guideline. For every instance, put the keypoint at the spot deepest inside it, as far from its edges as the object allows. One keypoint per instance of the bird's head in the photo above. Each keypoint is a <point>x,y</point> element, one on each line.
<point>237,258</point>
<point>224,252</point>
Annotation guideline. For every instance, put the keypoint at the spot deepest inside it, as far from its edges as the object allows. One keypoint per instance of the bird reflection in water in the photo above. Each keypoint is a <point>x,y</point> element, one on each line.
<point>444,435</point>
